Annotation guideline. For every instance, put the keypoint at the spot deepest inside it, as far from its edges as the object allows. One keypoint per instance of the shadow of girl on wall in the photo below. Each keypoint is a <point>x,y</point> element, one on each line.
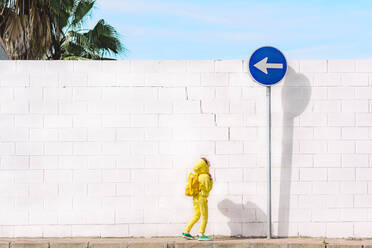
<point>246,220</point>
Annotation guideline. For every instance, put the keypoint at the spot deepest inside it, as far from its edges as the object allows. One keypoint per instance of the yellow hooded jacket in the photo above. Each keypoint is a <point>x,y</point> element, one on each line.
<point>205,183</point>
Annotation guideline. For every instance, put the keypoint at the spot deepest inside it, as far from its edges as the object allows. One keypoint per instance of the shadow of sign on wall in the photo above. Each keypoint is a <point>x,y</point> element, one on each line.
<point>296,93</point>
<point>248,219</point>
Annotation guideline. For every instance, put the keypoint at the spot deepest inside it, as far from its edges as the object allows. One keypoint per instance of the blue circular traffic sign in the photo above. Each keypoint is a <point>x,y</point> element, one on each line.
<point>267,65</point>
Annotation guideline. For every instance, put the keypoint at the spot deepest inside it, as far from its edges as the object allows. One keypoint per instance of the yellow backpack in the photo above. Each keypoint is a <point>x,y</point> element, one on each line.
<point>192,186</point>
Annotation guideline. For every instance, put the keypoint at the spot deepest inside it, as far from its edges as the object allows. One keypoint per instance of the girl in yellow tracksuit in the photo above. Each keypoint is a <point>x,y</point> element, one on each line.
<point>200,201</point>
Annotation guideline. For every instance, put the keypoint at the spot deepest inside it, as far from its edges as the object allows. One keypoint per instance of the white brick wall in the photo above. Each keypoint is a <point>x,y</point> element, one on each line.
<point>103,148</point>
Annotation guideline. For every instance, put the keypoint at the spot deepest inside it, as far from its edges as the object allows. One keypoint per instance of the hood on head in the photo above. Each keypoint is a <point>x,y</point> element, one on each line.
<point>201,167</point>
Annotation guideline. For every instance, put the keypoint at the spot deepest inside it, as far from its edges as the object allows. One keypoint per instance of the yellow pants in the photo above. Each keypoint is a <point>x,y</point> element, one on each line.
<point>200,209</point>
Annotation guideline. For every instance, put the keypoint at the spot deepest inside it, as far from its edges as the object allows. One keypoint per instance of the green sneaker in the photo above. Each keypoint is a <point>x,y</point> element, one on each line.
<point>187,236</point>
<point>204,238</point>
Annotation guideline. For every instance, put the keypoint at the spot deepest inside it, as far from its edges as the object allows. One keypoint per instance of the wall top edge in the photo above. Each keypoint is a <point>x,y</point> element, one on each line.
<point>165,60</point>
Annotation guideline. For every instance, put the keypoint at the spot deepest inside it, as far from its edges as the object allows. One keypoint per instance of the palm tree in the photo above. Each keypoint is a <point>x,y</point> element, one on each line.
<point>52,29</point>
<point>25,26</point>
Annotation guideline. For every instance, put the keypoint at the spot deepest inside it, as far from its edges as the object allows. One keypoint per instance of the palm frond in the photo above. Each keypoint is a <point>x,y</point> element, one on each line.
<point>106,38</point>
<point>79,45</point>
<point>61,11</point>
<point>81,10</point>
<point>73,57</point>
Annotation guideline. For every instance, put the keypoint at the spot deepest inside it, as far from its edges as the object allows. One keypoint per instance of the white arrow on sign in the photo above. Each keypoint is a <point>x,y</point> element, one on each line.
<point>263,65</point>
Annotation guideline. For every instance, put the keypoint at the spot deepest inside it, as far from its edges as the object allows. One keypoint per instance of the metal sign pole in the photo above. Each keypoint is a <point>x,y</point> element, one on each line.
<point>262,59</point>
<point>268,113</point>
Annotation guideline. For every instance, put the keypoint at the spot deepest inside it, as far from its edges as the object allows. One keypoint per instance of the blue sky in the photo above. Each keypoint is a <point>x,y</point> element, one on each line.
<point>232,29</point>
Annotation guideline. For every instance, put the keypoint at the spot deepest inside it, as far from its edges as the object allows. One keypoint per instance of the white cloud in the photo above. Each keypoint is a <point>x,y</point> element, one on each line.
<point>158,7</point>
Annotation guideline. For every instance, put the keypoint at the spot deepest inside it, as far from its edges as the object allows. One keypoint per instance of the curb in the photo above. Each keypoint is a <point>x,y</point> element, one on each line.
<point>153,243</point>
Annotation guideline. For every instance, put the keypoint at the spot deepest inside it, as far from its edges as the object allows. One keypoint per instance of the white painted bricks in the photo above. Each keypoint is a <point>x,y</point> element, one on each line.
<point>92,148</point>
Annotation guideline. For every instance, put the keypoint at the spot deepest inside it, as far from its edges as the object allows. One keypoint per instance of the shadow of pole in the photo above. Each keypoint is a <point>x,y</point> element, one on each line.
<point>294,101</point>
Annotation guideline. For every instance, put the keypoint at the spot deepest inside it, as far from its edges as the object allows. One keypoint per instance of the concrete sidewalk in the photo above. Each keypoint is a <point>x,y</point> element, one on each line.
<point>172,242</point>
